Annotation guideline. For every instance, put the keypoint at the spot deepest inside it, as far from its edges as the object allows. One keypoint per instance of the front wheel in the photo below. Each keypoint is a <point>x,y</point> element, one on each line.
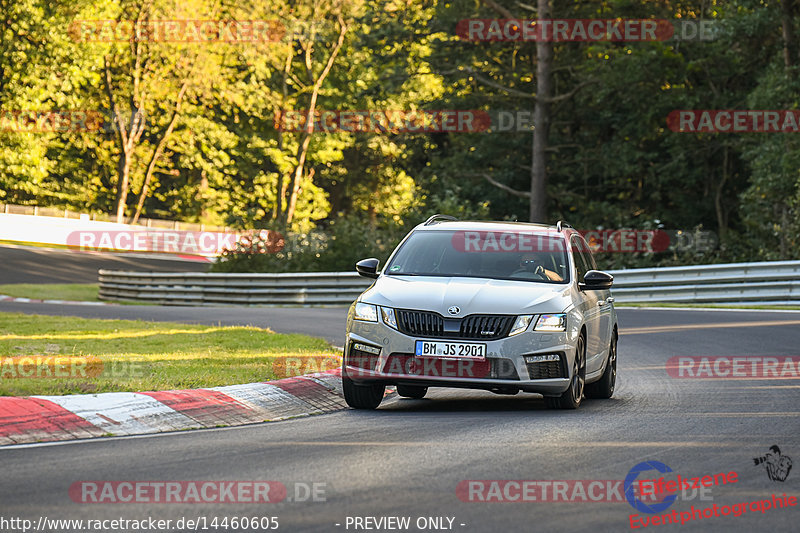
<point>604,387</point>
<point>362,396</point>
<point>571,398</point>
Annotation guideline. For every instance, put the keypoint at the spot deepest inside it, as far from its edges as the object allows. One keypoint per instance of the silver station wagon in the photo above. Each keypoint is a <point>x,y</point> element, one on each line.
<point>500,306</point>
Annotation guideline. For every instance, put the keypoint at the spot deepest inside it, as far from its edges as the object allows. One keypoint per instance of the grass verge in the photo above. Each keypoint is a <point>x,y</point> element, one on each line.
<point>78,292</point>
<point>129,356</point>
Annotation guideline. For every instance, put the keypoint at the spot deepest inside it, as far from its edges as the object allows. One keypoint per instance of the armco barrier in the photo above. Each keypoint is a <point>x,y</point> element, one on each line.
<point>776,283</point>
<point>193,288</point>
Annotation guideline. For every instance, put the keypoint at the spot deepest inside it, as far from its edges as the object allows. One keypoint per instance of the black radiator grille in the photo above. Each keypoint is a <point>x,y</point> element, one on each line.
<point>430,324</point>
<point>486,326</point>
<point>420,323</point>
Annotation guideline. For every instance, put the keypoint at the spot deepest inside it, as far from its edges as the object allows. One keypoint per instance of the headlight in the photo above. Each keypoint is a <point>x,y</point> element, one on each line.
<point>366,312</point>
<point>552,323</point>
<point>387,314</point>
<point>521,324</point>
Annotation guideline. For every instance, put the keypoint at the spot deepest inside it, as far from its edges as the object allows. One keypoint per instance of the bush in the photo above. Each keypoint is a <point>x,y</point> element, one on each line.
<point>336,248</point>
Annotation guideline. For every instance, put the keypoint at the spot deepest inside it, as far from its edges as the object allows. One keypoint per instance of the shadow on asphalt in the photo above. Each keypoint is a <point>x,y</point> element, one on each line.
<point>490,403</point>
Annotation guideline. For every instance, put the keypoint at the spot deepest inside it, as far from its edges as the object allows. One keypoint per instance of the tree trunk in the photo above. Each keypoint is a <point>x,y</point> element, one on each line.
<point>721,222</point>
<point>123,185</point>
<point>541,121</point>
<point>159,150</point>
<point>201,196</point>
<point>784,246</point>
<point>281,187</point>
<point>295,192</point>
<point>126,138</point>
<point>297,175</point>
<point>302,150</point>
<point>787,13</point>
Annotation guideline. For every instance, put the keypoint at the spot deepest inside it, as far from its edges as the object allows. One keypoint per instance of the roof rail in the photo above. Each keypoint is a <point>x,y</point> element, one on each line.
<point>561,224</point>
<point>434,218</point>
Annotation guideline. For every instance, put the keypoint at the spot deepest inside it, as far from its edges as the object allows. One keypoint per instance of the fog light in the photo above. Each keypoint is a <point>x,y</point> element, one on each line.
<point>364,348</point>
<point>542,358</point>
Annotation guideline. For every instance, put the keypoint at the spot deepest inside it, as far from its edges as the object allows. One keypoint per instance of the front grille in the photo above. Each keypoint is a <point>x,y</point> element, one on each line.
<point>434,367</point>
<point>430,324</point>
<point>548,369</point>
<point>420,323</point>
<point>486,326</point>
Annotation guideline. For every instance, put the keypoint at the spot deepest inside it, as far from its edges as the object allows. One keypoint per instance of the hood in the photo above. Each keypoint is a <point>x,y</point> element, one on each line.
<point>471,295</point>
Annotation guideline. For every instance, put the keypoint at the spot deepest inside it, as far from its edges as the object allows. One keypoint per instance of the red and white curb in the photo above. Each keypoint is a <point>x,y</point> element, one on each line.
<point>4,298</point>
<point>53,418</point>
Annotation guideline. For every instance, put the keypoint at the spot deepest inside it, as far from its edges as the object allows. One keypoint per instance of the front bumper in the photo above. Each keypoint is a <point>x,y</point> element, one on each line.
<point>504,370</point>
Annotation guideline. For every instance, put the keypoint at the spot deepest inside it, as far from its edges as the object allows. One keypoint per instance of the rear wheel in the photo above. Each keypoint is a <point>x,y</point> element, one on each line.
<point>571,398</point>
<point>604,387</point>
<point>362,396</point>
<point>412,391</point>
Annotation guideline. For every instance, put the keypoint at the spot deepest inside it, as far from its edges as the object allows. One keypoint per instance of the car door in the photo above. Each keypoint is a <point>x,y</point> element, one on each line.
<point>603,316</point>
<point>587,304</point>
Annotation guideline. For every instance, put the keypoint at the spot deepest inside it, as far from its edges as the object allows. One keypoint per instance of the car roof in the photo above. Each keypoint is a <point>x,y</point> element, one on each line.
<point>477,225</point>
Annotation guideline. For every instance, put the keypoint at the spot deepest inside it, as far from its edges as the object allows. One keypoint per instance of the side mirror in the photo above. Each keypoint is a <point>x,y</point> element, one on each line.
<point>595,280</point>
<point>368,267</point>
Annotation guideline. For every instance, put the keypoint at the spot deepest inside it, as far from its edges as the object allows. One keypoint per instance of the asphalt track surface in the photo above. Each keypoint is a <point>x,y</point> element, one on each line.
<point>408,457</point>
<point>44,265</point>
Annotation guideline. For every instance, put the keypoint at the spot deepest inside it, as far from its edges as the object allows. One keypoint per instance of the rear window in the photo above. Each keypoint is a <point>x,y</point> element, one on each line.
<point>510,255</point>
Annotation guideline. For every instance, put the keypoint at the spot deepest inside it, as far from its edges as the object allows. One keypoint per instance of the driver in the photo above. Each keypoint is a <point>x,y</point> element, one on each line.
<point>531,263</point>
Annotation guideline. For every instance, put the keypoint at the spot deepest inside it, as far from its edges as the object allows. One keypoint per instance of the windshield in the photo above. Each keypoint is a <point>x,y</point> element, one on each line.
<point>511,255</point>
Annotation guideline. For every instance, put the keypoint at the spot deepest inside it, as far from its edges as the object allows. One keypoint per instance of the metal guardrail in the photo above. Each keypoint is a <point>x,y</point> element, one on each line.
<point>195,288</point>
<point>776,283</point>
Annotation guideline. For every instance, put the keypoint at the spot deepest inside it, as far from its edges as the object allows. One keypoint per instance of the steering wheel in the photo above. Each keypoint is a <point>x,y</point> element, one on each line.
<point>538,273</point>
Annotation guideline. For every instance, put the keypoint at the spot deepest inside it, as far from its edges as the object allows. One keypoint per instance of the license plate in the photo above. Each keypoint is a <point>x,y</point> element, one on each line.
<point>457,350</point>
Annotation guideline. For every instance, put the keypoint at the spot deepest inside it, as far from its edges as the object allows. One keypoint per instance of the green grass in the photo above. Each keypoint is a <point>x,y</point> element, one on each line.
<point>79,292</point>
<point>717,306</point>
<point>142,356</point>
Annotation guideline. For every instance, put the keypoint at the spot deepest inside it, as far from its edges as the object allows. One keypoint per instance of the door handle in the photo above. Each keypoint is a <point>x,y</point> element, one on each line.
<point>610,300</point>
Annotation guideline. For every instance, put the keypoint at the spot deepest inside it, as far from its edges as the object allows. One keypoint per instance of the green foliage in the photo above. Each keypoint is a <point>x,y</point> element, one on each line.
<point>345,242</point>
<point>612,160</point>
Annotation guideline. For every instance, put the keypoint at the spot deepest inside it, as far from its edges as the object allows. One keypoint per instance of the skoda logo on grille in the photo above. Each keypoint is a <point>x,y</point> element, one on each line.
<point>454,310</point>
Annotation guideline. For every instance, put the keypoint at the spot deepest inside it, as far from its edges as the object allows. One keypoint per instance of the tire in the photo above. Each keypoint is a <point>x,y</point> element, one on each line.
<point>362,396</point>
<point>412,391</point>
<point>571,398</point>
<point>604,387</point>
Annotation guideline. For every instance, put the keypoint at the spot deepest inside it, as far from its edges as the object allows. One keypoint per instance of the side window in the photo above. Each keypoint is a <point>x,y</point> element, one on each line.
<point>580,260</point>
<point>589,259</point>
